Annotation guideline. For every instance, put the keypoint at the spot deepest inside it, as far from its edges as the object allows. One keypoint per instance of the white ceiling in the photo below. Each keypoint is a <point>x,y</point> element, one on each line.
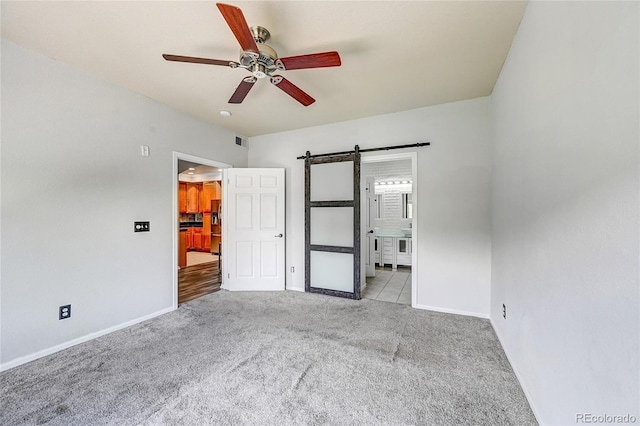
<point>396,55</point>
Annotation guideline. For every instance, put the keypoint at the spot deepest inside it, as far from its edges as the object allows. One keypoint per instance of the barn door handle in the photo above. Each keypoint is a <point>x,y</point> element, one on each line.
<point>278,236</point>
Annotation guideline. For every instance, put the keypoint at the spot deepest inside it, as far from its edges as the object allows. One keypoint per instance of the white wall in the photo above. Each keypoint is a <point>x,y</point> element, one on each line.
<point>72,184</point>
<point>453,192</point>
<point>565,208</point>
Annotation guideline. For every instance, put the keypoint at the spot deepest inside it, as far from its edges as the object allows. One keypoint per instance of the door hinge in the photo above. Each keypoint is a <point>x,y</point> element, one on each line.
<point>228,275</point>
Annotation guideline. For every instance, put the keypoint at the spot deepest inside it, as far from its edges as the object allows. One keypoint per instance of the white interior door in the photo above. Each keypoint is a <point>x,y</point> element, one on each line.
<point>253,237</point>
<point>370,214</point>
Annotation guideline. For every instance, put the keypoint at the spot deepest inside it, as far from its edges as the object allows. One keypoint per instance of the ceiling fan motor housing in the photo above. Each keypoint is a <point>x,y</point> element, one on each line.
<point>264,63</point>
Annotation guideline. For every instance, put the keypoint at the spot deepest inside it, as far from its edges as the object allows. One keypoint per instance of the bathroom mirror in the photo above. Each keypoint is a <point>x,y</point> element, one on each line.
<point>407,207</point>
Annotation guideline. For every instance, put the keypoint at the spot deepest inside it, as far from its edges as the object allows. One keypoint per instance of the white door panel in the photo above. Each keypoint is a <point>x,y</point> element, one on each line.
<point>333,271</point>
<point>254,235</point>
<point>332,226</point>
<point>332,181</point>
<point>370,201</point>
<point>268,212</point>
<point>243,207</point>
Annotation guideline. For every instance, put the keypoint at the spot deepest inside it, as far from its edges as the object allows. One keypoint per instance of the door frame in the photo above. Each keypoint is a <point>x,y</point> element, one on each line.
<point>413,156</point>
<point>174,211</point>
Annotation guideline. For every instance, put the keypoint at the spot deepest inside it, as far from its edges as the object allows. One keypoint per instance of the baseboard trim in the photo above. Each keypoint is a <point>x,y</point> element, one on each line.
<point>250,288</point>
<point>527,395</point>
<point>57,348</point>
<point>300,289</point>
<point>450,311</point>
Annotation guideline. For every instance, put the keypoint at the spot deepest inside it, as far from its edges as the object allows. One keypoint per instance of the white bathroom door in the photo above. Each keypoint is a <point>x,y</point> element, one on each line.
<point>370,212</point>
<point>253,241</point>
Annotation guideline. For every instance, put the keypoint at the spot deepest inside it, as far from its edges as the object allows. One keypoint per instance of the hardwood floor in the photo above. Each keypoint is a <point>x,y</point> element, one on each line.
<point>197,280</point>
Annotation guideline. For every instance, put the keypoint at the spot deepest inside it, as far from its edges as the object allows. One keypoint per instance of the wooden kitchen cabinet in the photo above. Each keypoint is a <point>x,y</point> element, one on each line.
<point>206,242</point>
<point>217,190</point>
<point>189,238</point>
<point>216,225</point>
<point>182,197</point>
<point>193,238</point>
<point>210,191</point>
<point>197,239</point>
<point>206,232</point>
<point>193,197</point>
<point>206,195</point>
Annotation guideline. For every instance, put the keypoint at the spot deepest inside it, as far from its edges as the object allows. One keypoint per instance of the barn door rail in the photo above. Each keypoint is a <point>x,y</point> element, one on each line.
<point>347,155</point>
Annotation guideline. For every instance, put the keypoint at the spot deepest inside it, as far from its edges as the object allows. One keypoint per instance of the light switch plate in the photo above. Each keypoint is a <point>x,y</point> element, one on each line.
<point>140,226</point>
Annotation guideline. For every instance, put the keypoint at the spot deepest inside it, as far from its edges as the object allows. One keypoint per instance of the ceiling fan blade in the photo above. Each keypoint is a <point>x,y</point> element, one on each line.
<point>314,60</point>
<point>178,58</point>
<point>235,19</point>
<point>292,90</point>
<point>242,90</point>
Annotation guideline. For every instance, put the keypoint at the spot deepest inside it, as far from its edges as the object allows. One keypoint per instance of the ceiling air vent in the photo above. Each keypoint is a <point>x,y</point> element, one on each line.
<point>240,141</point>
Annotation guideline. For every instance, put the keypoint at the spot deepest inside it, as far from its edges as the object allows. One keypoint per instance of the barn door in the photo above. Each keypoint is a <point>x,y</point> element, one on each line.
<point>332,224</point>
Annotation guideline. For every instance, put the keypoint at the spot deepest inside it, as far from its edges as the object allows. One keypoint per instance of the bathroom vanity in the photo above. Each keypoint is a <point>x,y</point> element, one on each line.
<point>393,249</point>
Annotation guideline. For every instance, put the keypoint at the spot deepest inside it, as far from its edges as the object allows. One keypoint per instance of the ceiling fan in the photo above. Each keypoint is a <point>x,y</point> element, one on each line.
<point>261,60</point>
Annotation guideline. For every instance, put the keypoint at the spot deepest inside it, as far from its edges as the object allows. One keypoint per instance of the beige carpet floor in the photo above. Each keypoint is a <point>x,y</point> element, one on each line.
<point>280,358</point>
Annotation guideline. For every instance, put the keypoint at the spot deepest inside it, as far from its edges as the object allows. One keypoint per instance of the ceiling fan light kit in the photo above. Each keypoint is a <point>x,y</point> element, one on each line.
<point>260,59</point>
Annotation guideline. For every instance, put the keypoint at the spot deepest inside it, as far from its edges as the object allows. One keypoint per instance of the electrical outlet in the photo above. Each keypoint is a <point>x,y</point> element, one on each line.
<point>140,226</point>
<point>504,311</point>
<point>293,269</point>
<point>64,312</point>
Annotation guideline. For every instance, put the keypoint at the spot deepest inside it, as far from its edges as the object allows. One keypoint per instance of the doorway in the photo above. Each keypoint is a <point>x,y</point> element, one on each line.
<point>389,231</point>
<point>197,204</point>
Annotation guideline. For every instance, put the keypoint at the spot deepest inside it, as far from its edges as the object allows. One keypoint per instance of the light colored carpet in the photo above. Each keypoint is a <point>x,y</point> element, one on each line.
<point>275,359</point>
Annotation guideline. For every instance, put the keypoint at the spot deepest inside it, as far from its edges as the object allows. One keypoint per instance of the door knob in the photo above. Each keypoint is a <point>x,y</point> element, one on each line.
<point>370,232</point>
<point>278,236</point>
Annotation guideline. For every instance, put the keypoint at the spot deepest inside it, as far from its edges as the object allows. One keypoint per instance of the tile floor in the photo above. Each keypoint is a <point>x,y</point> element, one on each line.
<point>390,286</point>
<point>197,257</point>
